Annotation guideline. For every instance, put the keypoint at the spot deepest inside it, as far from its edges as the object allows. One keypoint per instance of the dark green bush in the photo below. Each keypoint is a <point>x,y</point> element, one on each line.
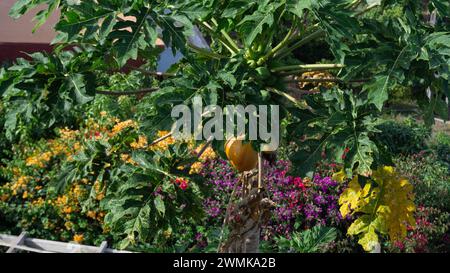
<point>406,137</point>
<point>442,147</point>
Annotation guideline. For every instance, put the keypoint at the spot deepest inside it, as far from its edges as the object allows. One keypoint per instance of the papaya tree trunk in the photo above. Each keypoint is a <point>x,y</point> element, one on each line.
<point>246,218</point>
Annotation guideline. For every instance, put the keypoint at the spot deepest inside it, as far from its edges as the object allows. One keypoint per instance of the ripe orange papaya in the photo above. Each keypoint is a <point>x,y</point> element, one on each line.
<point>241,155</point>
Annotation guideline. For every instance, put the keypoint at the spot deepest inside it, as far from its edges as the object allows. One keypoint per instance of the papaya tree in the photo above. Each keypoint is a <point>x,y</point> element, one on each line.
<point>257,55</point>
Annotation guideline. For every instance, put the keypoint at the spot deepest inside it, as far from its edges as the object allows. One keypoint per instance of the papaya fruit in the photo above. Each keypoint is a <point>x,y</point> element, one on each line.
<point>241,155</point>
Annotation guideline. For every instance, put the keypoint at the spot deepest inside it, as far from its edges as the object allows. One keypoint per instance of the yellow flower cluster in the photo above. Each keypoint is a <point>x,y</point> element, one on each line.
<point>78,238</point>
<point>100,190</point>
<point>140,143</point>
<point>67,206</point>
<point>19,185</point>
<point>39,160</point>
<point>127,159</point>
<point>98,216</point>
<point>68,225</point>
<point>69,203</point>
<point>386,208</point>
<point>164,144</point>
<point>25,195</point>
<point>315,85</point>
<point>207,154</point>
<point>68,134</point>
<point>62,146</point>
<point>91,214</point>
<point>38,202</point>
<point>78,191</point>
<point>120,126</point>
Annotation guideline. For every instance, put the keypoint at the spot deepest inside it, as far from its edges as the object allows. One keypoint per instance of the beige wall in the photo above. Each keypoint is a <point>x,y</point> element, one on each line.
<point>19,31</point>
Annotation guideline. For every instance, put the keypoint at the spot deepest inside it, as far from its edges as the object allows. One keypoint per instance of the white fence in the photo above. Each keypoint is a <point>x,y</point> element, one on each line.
<point>22,242</point>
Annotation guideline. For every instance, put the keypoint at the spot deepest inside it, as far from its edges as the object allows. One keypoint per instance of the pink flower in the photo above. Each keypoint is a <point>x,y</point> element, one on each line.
<point>346,150</point>
<point>400,245</point>
<point>298,182</point>
<point>181,182</point>
<point>183,185</point>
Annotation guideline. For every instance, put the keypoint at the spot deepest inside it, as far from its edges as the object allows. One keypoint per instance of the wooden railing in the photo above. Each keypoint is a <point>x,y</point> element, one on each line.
<point>24,243</point>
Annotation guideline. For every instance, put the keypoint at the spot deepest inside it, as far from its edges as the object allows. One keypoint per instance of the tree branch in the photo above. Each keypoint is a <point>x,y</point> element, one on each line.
<point>151,73</point>
<point>160,139</point>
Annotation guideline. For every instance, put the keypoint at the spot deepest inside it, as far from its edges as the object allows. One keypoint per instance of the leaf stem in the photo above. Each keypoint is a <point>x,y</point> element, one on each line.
<point>227,37</point>
<point>156,141</point>
<point>205,52</point>
<point>327,80</point>
<point>224,42</point>
<point>283,43</point>
<point>310,37</point>
<point>306,67</point>
<point>124,93</point>
<point>359,13</point>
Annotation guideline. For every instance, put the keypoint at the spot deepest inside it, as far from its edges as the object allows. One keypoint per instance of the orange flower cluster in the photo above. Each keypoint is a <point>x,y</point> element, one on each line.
<point>20,185</point>
<point>100,190</point>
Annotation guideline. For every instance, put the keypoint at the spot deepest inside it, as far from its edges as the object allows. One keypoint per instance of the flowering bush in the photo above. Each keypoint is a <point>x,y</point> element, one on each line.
<point>430,178</point>
<point>221,178</point>
<point>75,187</point>
<point>62,188</point>
<point>301,203</point>
<point>31,202</point>
<point>431,233</point>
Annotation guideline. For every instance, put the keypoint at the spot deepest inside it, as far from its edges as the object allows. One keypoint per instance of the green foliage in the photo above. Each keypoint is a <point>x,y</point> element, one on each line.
<point>308,241</point>
<point>105,23</point>
<point>248,62</point>
<point>227,74</point>
<point>339,129</point>
<point>401,95</point>
<point>406,137</point>
<point>419,53</point>
<point>442,147</point>
<point>28,203</point>
<point>430,178</point>
<point>137,208</point>
<point>45,92</point>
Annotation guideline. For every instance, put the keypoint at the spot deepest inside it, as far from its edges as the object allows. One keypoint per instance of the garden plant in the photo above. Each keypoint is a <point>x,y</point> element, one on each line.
<point>88,151</point>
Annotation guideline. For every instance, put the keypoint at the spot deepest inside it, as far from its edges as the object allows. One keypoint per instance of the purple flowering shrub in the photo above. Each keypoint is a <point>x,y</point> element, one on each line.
<point>221,178</point>
<point>300,203</point>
